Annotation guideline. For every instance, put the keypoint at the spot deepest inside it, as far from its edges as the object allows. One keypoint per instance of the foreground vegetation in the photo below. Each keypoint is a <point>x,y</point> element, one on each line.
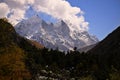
<point>12,57</point>
<point>20,60</point>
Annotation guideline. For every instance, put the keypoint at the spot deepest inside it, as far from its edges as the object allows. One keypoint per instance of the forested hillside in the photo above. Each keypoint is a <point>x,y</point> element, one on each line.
<point>21,60</point>
<point>12,57</point>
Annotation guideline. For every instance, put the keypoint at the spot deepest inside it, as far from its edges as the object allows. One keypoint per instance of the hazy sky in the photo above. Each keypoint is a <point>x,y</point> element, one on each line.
<point>99,17</point>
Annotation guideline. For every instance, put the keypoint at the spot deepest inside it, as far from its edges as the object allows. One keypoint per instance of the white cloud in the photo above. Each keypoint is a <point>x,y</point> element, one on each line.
<point>17,8</point>
<point>15,3</point>
<point>60,9</point>
<point>30,1</point>
<point>3,10</point>
<point>18,15</point>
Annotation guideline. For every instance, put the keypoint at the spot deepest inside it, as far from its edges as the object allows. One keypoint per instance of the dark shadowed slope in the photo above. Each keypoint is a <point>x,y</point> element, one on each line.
<point>111,44</point>
<point>107,52</point>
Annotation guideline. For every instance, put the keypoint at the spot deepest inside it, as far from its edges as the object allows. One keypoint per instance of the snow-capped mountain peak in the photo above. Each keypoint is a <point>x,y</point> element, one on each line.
<point>54,35</point>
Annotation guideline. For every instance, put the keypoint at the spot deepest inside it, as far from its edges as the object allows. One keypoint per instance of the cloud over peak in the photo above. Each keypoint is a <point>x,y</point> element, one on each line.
<point>59,9</point>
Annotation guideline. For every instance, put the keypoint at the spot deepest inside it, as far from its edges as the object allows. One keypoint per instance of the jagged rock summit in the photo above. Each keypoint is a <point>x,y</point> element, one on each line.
<point>54,35</point>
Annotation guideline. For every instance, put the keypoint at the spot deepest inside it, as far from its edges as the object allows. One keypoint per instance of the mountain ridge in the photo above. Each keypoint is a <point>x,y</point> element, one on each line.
<point>57,35</point>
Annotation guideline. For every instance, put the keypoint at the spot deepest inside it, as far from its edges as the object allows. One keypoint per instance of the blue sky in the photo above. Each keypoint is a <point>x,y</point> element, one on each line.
<point>103,15</point>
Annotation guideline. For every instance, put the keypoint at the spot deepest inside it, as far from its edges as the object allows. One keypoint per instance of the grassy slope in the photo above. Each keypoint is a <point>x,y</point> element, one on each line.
<point>12,65</point>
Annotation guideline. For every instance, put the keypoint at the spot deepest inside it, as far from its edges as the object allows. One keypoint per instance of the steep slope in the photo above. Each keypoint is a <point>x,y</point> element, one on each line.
<point>12,65</point>
<point>36,44</point>
<point>111,44</point>
<point>13,53</point>
<point>57,35</point>
<point>108,50</point>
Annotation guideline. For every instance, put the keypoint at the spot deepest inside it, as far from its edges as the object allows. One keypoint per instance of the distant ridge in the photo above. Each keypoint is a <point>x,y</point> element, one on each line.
<point>87,48</point>
<point>36,44</point>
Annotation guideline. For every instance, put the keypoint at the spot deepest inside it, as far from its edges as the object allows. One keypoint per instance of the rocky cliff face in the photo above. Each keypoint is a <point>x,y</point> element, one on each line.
<point>57,35</point>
